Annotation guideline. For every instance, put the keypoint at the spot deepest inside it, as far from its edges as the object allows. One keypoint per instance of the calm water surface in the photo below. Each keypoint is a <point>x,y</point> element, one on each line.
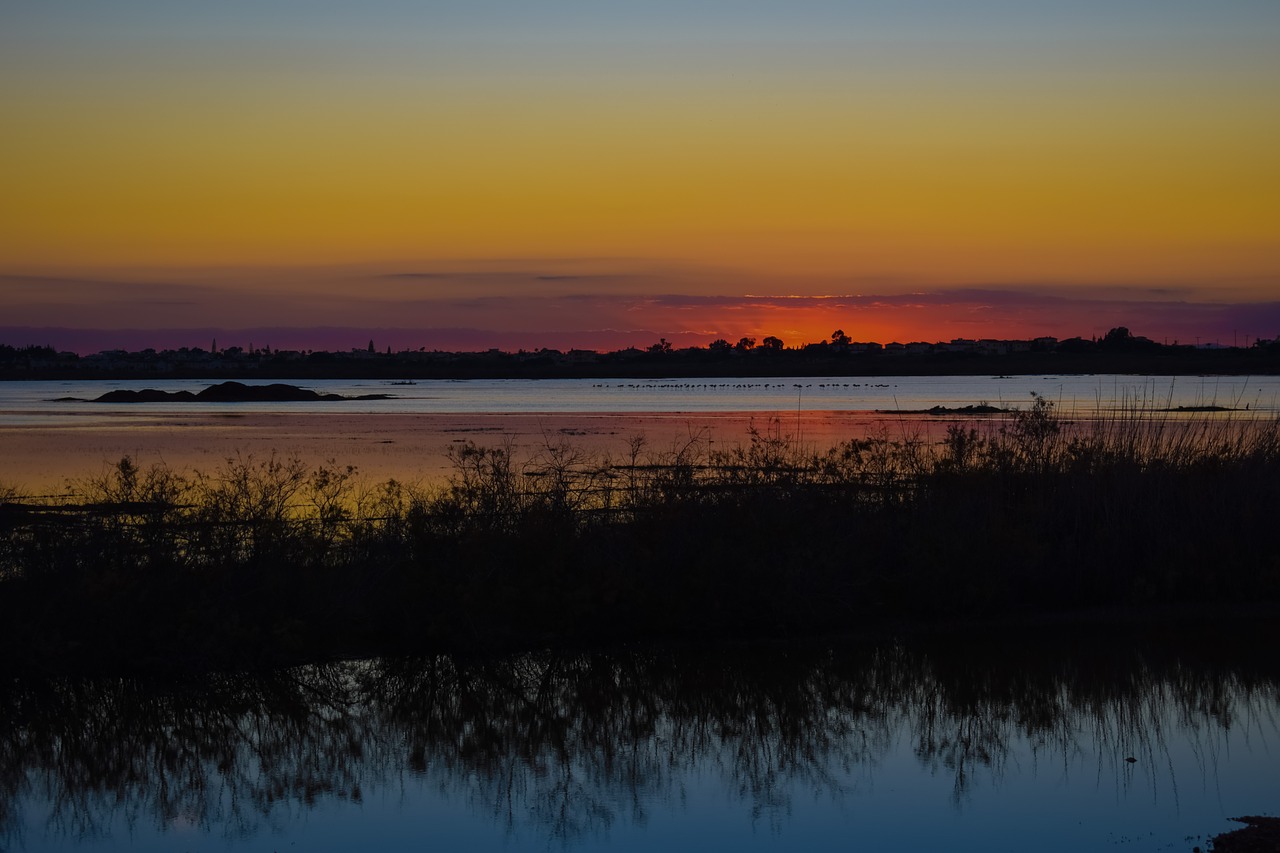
<point>1008,745</point>
<point>27,402</point>
<point>1004,745</point>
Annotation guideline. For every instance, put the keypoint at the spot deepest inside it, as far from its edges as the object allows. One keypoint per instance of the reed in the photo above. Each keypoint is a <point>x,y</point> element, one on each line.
<point>269,560</point>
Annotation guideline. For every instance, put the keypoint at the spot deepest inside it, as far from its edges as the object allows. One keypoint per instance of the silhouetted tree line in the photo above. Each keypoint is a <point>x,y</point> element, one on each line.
<point>15,354</point>
<point>1119,351</point>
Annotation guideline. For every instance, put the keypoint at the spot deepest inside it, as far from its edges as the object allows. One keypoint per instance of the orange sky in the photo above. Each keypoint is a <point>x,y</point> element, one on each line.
<point>268,170</point>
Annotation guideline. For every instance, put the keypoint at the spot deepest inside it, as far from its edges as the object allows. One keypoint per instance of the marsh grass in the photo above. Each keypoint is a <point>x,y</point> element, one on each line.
<point>263,560</point>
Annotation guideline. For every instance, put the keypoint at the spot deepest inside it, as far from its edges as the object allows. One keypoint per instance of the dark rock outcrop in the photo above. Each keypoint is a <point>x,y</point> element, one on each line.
<point>1260,835</point>
<point>238,392</point>
<point>146,395</point>
<point>231,392</point>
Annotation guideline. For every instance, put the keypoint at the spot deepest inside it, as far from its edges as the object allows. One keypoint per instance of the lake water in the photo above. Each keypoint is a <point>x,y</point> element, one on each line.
<point>51,435</point>
<point>1013,744</point>
<point>27,402</point>
<point>1018,743</point>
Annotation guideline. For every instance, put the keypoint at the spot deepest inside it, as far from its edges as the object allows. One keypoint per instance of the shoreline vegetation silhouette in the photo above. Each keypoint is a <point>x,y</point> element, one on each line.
<point>266,561</point>
<point>1119,351</point>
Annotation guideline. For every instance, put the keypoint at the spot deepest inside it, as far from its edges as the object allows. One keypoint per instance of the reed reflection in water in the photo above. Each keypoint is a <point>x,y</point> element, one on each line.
<point>894,745</point>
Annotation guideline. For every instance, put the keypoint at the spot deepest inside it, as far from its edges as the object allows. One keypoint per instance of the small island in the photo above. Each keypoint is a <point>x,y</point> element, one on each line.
<point>979,409</point>
<point>232,392</point>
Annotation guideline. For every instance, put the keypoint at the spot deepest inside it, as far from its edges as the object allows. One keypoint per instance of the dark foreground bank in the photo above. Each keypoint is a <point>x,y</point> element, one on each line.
<point>264,562</point>
<point>1259,835</point>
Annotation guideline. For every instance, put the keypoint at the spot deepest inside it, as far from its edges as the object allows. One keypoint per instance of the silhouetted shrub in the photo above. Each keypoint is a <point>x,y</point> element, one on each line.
<point>268,560</point>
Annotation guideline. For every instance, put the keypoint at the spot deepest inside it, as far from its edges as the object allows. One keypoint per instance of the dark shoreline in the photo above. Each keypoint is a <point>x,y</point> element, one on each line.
<point>1163,361</point>
<point>1259,835</point>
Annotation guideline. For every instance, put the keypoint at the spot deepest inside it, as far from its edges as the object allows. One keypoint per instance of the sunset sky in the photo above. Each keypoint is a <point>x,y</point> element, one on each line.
<point>517,174</point>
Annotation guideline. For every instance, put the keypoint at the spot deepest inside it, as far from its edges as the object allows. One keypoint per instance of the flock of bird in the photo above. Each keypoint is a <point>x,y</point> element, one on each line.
<point>738,385</point>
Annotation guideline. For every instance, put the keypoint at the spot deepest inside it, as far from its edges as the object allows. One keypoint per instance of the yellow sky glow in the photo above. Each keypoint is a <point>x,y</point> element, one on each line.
<point>246,156</point>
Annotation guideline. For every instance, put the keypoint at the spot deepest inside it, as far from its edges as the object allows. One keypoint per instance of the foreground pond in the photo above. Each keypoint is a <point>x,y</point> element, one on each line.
<point>1146,744</point>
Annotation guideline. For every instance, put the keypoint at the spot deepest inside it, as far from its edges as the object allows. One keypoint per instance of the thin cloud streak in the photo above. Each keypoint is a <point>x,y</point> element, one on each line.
<point>614,321</point>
